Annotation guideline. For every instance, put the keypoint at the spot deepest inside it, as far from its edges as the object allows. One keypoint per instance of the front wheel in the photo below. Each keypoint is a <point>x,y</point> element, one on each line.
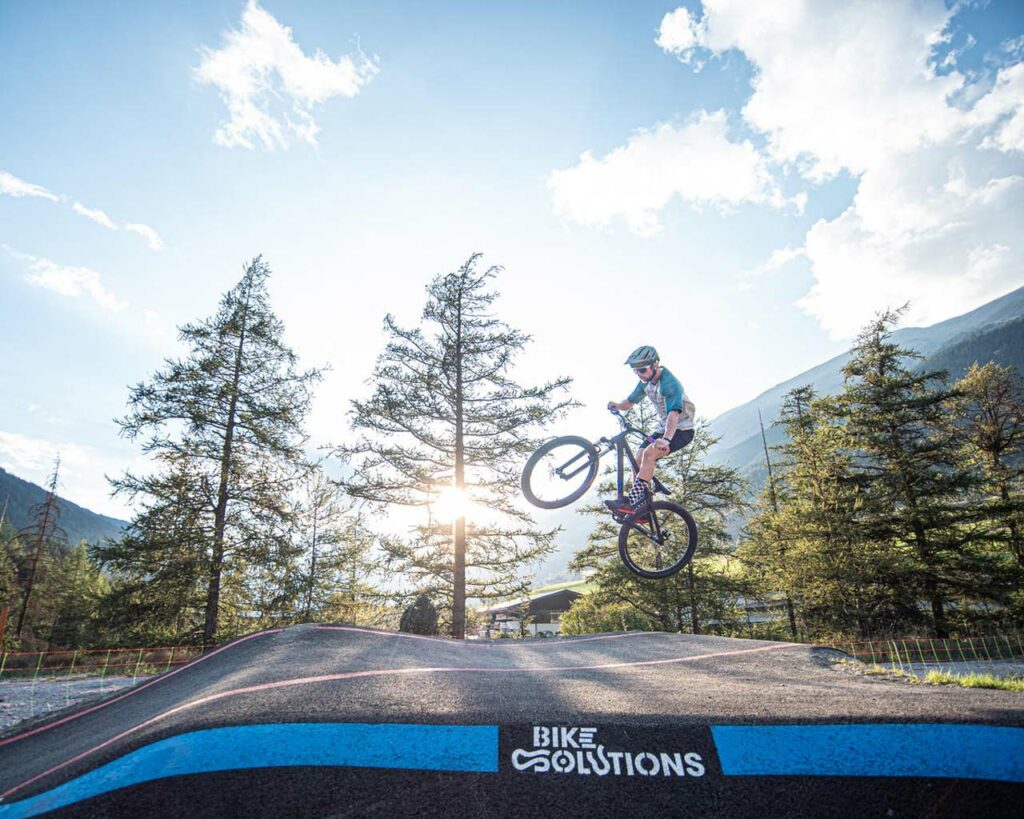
<point>560,472</point>
<point>659,544</point>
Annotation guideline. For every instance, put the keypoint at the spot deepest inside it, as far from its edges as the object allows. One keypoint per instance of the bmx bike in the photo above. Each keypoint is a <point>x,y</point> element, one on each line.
<point>652,544</point>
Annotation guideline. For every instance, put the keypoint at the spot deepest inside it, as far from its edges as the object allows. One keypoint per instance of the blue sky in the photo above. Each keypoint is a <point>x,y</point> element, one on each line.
<point>741,184</point>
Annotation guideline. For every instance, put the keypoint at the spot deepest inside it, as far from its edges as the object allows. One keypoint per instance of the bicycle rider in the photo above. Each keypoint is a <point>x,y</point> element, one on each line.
<point>676,413</point>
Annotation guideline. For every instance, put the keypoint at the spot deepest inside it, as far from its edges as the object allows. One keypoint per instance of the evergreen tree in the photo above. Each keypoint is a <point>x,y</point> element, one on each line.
<point>82,587</point>
<point>334,581</point>
<point>446,415</point>
<point>228,418</point>
<point>160,563</point>
<point>704,594</point>
<point>10,547</point>
<point>990,421</point>
<point>910,471</point>
<point>805,539</point>
<point>43,543</point>
<point>420,617</point>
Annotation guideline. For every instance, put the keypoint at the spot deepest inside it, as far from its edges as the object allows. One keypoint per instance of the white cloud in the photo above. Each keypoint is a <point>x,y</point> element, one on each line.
<point>1002,111</point>
<point>82,469</point>
<point>98,216</point>
<point>151,236</point>
<point>680,34</point>
<point>939,211</point>
<point>26,456</point>
<point>260,65</point>
<point>940,228</point>
<point>696,162</point>
<point>837,85</point>
<point>11,185</point>
<point>68,281</point>
<point>778,260</point>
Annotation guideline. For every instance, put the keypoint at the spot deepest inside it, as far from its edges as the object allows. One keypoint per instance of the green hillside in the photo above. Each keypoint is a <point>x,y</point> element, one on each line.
<point>1003,344</point>
<point>993,332</point>
<point>20,496</point>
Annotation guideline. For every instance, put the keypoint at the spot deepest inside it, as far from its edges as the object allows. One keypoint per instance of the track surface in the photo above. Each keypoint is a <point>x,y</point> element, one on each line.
<point>333,721</point>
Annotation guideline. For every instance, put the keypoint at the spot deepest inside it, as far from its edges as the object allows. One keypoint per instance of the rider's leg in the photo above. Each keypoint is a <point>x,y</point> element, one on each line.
<point>648,456</point>
<point>641,486</point>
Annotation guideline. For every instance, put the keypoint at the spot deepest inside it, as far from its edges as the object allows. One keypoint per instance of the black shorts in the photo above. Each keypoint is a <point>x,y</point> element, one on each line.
<point>679,440</point>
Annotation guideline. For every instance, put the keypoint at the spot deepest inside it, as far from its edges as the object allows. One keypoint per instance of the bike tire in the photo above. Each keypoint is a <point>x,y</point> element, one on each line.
<point>539,470</point>
<point>640,551</point>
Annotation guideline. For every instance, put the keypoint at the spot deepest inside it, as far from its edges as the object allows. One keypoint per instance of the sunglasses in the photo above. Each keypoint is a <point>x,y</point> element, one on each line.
<point>641,370</point>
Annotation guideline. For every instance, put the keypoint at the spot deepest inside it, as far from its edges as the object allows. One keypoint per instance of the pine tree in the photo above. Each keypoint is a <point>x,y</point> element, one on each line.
<point>160,562</point>
<point>229,417</point>
<point>990,422</point>
<point>704,594</point>
<point>910,472</point>
<point>446,415</point>
<point>420,617</point>
<point>44,543</point>
<point>806,541</point>
<point>82,586</point>
<point>333,583</point>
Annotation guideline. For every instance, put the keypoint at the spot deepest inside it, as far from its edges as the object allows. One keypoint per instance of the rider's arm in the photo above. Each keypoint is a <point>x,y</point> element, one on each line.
<point>670,425</point>
<point>621,406</point>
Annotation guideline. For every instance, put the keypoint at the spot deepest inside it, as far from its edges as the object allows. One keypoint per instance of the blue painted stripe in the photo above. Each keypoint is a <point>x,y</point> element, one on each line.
<point>944,751</point>
<point>411,747</point>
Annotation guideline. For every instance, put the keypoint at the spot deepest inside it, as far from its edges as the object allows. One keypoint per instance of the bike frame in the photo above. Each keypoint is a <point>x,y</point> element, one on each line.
<point>623,451</point>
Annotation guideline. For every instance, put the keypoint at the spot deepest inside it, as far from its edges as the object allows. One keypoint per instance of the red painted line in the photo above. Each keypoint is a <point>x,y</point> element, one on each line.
<point>349,675</point>
<point>133,690</point>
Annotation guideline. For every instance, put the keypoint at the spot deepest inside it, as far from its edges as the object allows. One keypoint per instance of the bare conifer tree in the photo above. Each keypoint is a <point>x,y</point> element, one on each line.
<point>446,415</point>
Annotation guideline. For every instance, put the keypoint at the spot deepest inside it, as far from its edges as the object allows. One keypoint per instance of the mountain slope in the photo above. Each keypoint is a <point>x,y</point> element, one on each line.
<point>21,495</point>
<point>992,332</point>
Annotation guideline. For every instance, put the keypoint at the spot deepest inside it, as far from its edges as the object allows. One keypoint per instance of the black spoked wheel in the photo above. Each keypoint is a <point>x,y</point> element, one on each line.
<point>660,544</point>
<point>560,472</point>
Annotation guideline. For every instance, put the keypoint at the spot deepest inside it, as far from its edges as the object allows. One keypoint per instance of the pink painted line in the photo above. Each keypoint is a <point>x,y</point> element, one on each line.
<point>447,640</point>
<point>349,675</point>
<point>134,690</point>
<point>451,641</point>
<point>574,640</point>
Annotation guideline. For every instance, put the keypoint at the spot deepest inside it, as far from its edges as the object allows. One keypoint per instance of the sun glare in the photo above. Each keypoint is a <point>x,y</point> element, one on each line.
<point>452,504</point>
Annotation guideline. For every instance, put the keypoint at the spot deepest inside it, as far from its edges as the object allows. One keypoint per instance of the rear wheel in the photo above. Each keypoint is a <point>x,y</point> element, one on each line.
<point>560,472</point>
<point>658,544</point>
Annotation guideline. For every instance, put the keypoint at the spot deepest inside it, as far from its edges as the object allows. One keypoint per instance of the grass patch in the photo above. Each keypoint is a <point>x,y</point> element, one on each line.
<point>890,673</point>
<point>975,680</point>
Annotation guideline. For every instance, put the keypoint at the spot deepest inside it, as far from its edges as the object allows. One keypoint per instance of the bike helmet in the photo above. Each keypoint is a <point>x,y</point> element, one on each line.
<point>642,356</point>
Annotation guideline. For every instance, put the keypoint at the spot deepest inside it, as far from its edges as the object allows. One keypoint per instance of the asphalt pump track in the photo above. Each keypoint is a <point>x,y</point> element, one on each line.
<point>342,721</point>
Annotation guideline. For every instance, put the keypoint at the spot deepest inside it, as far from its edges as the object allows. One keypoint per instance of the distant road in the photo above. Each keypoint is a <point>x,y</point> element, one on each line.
<point>333,721</point>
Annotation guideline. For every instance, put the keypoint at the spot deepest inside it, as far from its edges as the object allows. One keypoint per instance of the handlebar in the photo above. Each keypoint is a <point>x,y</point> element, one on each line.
<point>625,425</point>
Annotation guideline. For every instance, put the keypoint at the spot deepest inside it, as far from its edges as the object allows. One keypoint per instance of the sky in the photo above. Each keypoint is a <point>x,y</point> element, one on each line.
<point>740,184</point>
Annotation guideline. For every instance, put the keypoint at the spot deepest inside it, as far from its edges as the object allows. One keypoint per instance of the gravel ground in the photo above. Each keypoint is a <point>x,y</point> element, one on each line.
<point>20,701</point>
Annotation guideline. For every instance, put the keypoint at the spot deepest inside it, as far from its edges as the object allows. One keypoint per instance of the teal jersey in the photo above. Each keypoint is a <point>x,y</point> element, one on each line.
<point>667,394</point>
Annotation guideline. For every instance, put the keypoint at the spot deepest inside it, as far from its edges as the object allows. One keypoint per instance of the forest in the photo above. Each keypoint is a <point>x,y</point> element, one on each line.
<point>893,508</point>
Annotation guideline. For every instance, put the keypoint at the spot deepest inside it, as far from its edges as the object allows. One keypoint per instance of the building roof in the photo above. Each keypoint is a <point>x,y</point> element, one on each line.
<point>558,600</point>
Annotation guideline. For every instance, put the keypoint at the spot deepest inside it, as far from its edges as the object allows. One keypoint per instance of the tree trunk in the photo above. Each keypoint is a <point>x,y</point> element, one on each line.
<point>42,536</point>
<point>1015,537</point>
<point>312,569</point>
<point>459,529</point>
<point>220,513</point>
<point>791,612</point>
<point>694,619</point>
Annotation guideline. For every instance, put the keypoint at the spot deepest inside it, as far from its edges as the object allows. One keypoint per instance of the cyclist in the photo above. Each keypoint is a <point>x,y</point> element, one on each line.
<point>676,412</point>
